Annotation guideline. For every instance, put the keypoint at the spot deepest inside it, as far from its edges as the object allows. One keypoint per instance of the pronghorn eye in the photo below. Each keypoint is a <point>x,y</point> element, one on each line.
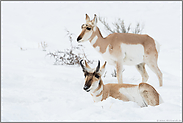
<point>88,28</point>
<point>97,76</point>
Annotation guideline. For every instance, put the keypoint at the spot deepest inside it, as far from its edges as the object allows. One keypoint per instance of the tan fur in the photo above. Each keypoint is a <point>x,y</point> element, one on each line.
<point>141,68</point>
<point>114,42</point>
<point>113,91</point>
<point>149,93</point>
<point>146,91</point>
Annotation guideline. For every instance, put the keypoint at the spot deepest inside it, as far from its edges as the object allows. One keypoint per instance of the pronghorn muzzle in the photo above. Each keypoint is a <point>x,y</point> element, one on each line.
<point>81,35</point>
<point>79,38</point>
<point>86,88</point>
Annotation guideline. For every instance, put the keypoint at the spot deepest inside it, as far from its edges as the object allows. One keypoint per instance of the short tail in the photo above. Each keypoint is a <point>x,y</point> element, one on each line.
<point>157,46</point>
<point>160,100</point>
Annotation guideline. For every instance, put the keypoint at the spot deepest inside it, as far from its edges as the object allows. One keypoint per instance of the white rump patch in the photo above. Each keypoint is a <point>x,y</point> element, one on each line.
<point>157,46</point>
<point>94,40</point>
<point>133,95</point>
<point>160,100</point>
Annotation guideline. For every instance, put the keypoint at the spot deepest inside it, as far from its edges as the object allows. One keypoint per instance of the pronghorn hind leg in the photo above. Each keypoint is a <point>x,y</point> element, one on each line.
<point>154,67</point>
<point>141,68</point>
<point>149,94</point>
<point>119,68</point>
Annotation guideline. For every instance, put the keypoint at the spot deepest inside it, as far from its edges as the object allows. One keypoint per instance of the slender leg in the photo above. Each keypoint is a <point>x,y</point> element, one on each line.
<point>119,68</point>
<point>141,68</point>
<point>154,67</point>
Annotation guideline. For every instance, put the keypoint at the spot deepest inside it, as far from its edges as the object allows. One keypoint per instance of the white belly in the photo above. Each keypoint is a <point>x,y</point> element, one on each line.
<point>132,54</point>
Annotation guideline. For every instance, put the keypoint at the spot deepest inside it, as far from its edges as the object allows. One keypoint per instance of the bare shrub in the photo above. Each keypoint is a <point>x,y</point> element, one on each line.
<point>44,45</point>
<point>70,56</point>
<point>119,26</point>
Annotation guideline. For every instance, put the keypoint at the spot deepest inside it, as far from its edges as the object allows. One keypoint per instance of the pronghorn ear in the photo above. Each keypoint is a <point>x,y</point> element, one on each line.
<point>87,66</point>
<point>102,69</point>
<point>87,18</point>
<point>94,21</point>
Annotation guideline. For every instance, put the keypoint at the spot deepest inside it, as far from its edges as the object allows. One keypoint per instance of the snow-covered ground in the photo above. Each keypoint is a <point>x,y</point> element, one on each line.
<point>33,89</point>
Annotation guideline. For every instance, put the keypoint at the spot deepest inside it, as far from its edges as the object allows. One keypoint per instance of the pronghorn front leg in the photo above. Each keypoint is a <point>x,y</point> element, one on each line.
<point>119,68</point>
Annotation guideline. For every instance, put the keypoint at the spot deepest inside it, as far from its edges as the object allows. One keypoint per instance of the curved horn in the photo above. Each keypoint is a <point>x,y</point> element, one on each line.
<point>83,67</point>
<point>98,66</point>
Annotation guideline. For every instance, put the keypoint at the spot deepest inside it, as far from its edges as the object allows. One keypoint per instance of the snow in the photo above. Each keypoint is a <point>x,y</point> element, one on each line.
<point>33,89</point>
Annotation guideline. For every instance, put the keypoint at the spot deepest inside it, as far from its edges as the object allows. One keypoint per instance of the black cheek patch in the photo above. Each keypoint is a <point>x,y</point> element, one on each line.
<point>85,74</point>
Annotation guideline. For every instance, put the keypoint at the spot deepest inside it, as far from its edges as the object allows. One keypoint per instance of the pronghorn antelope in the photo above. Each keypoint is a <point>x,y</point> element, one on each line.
<point>143,94</point>
<point>123,49</point>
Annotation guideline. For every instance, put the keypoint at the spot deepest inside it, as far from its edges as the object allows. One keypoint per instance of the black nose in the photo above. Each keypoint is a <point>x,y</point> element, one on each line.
<point>85,87</point>
<point>79,38</point>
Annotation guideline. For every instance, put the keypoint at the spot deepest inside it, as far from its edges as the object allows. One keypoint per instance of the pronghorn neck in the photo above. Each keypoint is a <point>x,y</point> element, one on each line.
<point>96,37</point>
<point>97,94</point>
<point>96,32</point>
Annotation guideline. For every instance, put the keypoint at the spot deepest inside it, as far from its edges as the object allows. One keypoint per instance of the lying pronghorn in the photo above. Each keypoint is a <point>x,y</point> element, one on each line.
<point>123,49</point>
<point>143,94</point>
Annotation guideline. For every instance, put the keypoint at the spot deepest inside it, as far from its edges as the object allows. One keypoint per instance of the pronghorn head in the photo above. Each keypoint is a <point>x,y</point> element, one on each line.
<point>87,29</point>
<point>92,76</point>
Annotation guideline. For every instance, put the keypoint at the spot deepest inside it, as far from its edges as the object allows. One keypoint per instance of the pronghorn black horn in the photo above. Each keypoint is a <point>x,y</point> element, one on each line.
<point>82,65</point>
<point>98,67</point>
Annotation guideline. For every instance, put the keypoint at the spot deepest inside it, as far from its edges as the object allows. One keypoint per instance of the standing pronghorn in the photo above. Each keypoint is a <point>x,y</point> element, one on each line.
<point>143,94</point>
<point>123,49</point>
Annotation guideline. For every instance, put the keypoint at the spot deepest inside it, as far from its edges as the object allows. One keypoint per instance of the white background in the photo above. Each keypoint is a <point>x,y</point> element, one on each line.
<point>33,89</point>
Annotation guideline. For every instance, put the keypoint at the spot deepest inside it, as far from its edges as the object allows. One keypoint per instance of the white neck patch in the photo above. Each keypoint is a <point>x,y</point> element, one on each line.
<point>97,48</point>
<point>94,40</point>
<point>95,97</point>
<point>95,28</point>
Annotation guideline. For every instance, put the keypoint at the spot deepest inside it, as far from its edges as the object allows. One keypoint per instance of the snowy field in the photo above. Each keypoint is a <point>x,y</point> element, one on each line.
<point>33,89</point>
